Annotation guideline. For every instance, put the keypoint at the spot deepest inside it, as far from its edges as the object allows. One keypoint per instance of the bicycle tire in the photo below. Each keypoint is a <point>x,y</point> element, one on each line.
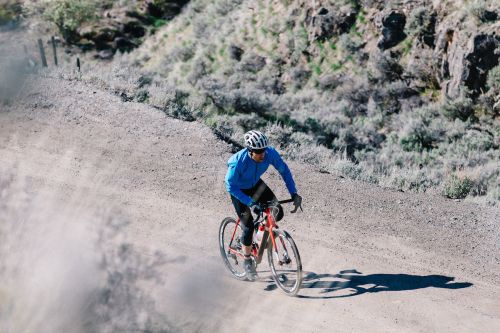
<point>290,279</point>
<point>232,262</point>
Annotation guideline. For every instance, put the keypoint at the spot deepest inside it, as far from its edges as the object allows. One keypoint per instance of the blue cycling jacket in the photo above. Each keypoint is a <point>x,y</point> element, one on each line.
<point>243,173</point>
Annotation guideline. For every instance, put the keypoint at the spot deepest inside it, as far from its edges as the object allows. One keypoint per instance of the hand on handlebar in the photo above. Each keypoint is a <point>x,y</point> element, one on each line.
<point>297,202</point>
<point>256,209</point>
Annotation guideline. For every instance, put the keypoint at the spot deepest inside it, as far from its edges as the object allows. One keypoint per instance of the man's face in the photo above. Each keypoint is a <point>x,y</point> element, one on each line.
<point>258,155</point>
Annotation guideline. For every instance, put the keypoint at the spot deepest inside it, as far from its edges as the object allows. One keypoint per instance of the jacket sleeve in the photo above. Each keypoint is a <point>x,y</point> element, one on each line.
<point>284,171</point>
<point>233,189</point>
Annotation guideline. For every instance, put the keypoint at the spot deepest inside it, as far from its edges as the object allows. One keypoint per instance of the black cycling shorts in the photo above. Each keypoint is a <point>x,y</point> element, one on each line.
<point>260,193</point>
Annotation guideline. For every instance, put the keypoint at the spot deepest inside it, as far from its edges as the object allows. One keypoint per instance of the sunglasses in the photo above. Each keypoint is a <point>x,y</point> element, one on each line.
<point>258,151</point>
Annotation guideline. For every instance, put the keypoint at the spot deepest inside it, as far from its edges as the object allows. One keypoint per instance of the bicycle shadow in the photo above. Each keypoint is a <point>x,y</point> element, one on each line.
<point>348,283</point>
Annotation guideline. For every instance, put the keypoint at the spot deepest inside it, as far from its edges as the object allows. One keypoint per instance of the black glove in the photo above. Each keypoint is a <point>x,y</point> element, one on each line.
<point>297,202</point>
<point>256,209</point>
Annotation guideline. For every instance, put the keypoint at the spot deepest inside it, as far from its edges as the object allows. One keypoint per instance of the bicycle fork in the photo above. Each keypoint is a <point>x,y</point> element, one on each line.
<point>286,259</point>
<point>229,252</point>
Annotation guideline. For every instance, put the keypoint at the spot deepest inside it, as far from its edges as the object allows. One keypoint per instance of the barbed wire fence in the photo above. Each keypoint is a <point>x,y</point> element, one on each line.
<point>31,56</point>
<point>21,57</point>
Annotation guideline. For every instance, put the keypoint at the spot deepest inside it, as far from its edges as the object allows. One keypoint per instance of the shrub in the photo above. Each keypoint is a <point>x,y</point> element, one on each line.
<point>421,25</point>
<point>424,71</point>
<point>8,12</point>
<point>355,94</point>
<point>484,179</point>
<point>252,63</point>
<point>348,168</point>
<point>456,187</point>
<point>478,9</point>
<point>351,43</point>
<point>420,130</point>
<point>67,15</point>
<point>459,108</point>
<point>173,102</point>
<point>495,193</point>
<point>249,101</point>
<point>299,76</point>
<point>493,81</point>
<point>183,53</point>
<point>417,140</point>
<point>353,171</point>
<point>315,155</point>
<point>387,68</point>
<point>474,140</point>
<point>419,180</point>
<point>279,135</point>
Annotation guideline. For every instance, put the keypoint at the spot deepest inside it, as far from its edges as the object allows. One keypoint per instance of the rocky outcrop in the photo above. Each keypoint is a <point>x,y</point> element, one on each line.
<point>329,22</point>
<point>465,57</point>
<point>166,9</point>
<point>235,52</point>
<point>392,26</point>
<point>483,56</point>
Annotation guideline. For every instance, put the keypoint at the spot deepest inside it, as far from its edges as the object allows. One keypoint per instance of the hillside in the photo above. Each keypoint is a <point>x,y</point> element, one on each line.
<point>400,93</point>
<point>403,94</point>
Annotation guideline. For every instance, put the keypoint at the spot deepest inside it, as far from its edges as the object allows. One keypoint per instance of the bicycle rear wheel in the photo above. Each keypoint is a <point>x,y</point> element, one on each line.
<point>285,263</point>
<point>230,247</point>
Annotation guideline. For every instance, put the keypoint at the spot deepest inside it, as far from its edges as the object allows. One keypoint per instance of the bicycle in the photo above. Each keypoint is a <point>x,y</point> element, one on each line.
<point>284,260</point>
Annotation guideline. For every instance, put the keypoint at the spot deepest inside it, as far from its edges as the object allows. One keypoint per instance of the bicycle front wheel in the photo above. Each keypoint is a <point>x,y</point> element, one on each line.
<point>231,247</point>
<point>285,263</point>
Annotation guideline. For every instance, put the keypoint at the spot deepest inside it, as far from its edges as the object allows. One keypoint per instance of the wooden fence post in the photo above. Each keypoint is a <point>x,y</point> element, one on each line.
<point>54,49</point>
<point>42,53</point>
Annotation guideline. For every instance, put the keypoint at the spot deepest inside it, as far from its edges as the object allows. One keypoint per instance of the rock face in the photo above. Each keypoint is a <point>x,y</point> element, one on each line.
<point>465,58</point>
<point>393,24</point>
<point>134,28</point>
<point>328,22</point>
<point>166,9</point>
<point>483,56</point>
<point>235,52</point>
<point>123,44</point>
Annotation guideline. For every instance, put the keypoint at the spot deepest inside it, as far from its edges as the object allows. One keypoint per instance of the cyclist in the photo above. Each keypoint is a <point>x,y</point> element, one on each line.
<point>247,190</point>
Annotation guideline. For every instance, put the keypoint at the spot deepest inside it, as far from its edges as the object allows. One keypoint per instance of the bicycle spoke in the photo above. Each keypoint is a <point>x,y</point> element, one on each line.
<point>285,264</point>
<point>230,247</point>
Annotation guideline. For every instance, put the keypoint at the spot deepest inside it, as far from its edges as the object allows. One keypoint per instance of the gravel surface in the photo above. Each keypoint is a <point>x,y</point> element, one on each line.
<point>70,152</point>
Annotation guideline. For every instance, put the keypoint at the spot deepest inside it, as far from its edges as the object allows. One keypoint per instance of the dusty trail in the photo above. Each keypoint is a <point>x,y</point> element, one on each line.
<point>421,263</point>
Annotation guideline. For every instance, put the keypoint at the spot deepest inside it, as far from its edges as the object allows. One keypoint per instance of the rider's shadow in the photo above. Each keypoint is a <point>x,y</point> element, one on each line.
<point>349,283</point>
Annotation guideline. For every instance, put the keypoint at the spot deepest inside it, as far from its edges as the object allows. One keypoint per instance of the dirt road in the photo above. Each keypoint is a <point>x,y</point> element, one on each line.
<point>77,162</point>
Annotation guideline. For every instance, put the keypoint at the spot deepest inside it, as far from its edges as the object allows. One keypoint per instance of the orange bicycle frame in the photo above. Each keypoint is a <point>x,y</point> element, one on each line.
<point>258,251</point>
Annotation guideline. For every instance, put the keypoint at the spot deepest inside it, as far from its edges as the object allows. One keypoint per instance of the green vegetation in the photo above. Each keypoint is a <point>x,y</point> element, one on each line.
<point>494,78</point>
<point>67,15</point>
<point>158,22</point>
<point>6,15</point>
<point>337,102</point>
<point>9,12</point>
<point>406,46</point>
<point>456,187</point>
<point>477,9</point>
<point>336,66</point>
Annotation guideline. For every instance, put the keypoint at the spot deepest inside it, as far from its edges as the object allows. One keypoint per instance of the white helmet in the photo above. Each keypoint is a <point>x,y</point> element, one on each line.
<point>256,140</point>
